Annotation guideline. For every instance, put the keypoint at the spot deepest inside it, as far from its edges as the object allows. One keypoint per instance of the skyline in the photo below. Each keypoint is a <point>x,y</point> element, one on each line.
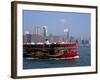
<point>78,24</point>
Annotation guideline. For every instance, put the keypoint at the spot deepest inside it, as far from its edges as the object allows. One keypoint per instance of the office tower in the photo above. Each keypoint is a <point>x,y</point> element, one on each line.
<point>37,30</point>
<point>37,35</point>
<point>45,32</point>
<point>67,35</point>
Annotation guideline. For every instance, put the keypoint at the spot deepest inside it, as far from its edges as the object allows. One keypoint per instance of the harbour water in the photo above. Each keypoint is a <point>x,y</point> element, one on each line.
<point>84,60</point>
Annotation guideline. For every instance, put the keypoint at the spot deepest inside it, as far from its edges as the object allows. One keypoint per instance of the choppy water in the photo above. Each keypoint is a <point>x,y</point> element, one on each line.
<point>84,60</point>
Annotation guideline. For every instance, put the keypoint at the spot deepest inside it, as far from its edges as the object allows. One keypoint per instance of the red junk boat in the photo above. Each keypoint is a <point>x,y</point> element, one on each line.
<point>52,51</point>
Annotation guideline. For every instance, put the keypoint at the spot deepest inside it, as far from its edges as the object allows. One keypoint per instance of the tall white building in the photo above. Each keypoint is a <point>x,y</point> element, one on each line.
<point>37,30</point>
<point>45,31</point>
<point>67,34</point>
<point>37,35</point>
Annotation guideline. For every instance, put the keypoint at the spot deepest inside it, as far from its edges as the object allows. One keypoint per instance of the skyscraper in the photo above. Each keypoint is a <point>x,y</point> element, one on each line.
<point>37,30</point>
<point>45,32</point>
<point>37,35</point>
<point>67,35</point>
